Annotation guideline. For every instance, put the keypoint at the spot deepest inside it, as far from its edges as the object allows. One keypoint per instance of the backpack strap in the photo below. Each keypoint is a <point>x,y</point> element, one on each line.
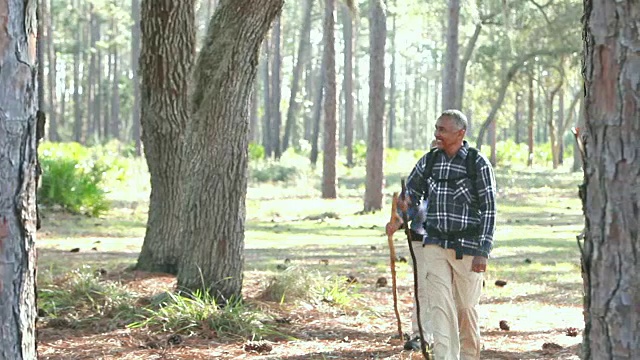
<point>431,160</point>
<point>472,157</point>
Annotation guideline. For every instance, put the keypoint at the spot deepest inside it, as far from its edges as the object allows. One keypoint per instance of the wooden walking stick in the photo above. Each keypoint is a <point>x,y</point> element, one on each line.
<point>423,343</point>
<point>392,256</point>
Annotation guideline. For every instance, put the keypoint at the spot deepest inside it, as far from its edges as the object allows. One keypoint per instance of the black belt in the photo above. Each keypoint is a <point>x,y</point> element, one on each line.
<point>453,237</point>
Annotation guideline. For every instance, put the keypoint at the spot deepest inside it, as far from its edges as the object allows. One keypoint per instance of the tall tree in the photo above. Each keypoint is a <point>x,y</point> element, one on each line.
<point>349,101</point>
<point>135,56</point>
<point>77,103</point>
<point>375,143</point>
<point>612,180</point>
<point>276,87</point>
<point>217,141</point>
<point>303,53</point>
<point>392,81</point>
<point>18,139</point>
<point>166,60</point>
<point>452,58</point>
<point>330,152</point>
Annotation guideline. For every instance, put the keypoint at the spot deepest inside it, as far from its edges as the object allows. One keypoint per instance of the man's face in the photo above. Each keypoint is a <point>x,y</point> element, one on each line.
<point>448,135</point>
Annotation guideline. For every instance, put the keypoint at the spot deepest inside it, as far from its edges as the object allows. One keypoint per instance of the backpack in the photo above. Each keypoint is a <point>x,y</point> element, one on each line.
<point>472,171</point>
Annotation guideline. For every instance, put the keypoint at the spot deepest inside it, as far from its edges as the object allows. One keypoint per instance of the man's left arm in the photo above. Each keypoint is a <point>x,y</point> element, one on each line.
<point>486,185</point>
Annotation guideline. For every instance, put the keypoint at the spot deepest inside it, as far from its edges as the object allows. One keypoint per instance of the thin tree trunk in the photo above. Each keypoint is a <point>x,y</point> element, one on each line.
<point>532,109</point>
<point>449,95</point>
<point>116,122</point>
<point>266,92</point>
<point>317,113</point>
<point>612,180</point>
<point>392,84</point>
<point>276,91</point>
<point>77,106</point>
<point>349,101</point>
<point>509,75</point>
<point>462,72</point>
<point>215,200</point>
<point>51,80</point>
<point>97,103</point>
<point>303,50</point>
<point>18,141</point>
<point>375,144</point>
<point>330,134</point>
<point>518,117</point>
<point>135,56</point>
<point>91,75</point>
<point>167,47</point>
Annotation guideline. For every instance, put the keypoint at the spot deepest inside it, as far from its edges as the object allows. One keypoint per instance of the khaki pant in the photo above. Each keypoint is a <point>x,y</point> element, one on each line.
<point>453,293</point>
<point>421,267</point>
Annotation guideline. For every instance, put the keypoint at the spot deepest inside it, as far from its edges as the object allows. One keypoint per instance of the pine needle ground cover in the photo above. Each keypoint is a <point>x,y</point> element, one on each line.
<point>337,310</point>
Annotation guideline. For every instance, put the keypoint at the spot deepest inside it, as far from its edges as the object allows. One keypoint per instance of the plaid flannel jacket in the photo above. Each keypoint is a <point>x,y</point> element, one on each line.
<point>455,208</point>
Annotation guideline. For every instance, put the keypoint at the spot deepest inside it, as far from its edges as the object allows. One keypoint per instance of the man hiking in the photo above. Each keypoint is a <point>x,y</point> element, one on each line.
<point>458,184</point>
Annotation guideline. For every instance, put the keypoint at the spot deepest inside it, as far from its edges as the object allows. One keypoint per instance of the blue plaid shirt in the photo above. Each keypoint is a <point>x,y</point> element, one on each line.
<point>454,207</point>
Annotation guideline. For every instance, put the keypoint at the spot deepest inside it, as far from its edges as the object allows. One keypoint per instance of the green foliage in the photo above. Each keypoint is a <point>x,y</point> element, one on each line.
<point>298,284</point>
<point>508,153</point>
<point>81,291</point>
<point>256,152</point>
<point>72,178</point>
<point>200,312</point>
<point>290,167</point>
<point>360,153</point>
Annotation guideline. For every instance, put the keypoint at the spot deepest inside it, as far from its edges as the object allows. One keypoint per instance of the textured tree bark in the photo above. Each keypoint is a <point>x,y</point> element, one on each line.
<point>330,134</point>
<point>166,60</point>
<point>217,141</point>
<point>612,180</point>
<point>375,143</point>
<point>18,102</point>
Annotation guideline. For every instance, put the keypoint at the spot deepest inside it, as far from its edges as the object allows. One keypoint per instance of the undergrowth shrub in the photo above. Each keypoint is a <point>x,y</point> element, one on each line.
<point>298,284</point>
<point>71,178</point>
<point>83,294</point>
<point>291,167</point>
<point>200,313</point>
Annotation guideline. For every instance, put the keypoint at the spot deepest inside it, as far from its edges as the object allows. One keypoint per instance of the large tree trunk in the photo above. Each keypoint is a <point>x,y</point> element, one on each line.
<point>449,88</point>
<point>218,139</point>
<point>612,180</point>
<point>18,139</point>
<point>135,56</point>
<point>349,101</point>
<point>375,145</point>
<point>303,51</point>
<point>330,150</point>
<point>166,60</point>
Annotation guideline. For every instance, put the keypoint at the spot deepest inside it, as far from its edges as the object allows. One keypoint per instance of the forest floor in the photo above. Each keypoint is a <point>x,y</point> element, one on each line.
<point>535,252</point>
